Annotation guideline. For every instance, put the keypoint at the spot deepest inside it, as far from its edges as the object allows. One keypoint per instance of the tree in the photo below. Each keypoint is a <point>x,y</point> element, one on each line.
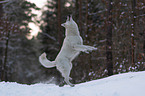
<point>133,30</point>
<point>1,43</point>
<point>17,16</point>
<point>109,40</point>
<point>59,22</point>
<point>80,17</point>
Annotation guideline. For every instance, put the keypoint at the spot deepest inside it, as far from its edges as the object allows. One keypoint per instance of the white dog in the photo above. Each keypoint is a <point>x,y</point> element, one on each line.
<point>72,46</point>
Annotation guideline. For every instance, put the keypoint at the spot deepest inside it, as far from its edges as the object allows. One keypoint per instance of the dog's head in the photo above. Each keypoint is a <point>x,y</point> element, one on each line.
<point>70,23</point>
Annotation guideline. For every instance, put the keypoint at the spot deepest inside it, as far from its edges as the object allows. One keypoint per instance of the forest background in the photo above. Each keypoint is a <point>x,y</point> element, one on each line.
<point>115,27</point>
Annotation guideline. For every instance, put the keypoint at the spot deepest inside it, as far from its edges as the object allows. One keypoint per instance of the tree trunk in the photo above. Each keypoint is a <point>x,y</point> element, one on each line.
<point>86,17</point>
<point>59,22</point>
<point>109,40</point>
<point>80,18</point>
<point>76,9</point>
<point>144,45</point>
<point>1,43</point>
<point>1,9</point>
<point>5,68</point>
<point>133,30</point>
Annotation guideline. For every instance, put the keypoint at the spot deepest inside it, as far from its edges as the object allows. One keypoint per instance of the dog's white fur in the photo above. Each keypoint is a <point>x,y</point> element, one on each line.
<point>72,46</point>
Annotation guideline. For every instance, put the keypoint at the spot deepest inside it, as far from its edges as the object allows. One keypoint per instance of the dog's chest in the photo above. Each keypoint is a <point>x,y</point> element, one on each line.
<point>73,40</point>
<point>67,50</point>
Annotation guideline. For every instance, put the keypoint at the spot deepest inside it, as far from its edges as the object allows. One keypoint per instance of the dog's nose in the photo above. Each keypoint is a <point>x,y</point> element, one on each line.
<point>63,25</point>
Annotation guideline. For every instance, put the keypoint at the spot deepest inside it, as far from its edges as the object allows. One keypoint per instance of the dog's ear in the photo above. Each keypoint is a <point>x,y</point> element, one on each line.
<point>67,18</point>
<point>71,19</point>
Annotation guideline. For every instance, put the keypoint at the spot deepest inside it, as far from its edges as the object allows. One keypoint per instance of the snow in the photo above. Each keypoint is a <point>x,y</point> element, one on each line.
<point>127,84</point>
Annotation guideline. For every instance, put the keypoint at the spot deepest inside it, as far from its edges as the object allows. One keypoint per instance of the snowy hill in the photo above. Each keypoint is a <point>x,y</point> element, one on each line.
<point>127,84</point>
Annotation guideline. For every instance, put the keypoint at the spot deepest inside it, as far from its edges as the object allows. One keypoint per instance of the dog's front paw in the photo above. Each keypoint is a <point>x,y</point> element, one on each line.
<point>90,48</point>
<point>70,78</point>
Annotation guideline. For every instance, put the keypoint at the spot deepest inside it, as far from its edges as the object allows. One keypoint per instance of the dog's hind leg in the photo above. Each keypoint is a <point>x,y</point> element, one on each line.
<point>66,78</point>
<point>65,71</point>
<point>67,81</point>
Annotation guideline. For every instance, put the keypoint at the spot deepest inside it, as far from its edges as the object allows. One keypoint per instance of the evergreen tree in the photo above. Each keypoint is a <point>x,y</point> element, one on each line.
<point>18,47</point>
<point>109,39</point>
<point>1,43</point>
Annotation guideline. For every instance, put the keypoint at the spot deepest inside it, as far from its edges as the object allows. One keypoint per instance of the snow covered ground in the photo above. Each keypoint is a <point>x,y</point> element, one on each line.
<point>127,84</point>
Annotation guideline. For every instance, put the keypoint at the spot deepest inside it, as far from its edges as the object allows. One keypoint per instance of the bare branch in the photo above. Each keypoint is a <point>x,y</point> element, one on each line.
<point>3,1</point>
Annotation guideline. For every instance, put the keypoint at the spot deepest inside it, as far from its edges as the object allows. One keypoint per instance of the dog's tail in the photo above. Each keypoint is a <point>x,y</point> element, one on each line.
<point>45,62</point>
